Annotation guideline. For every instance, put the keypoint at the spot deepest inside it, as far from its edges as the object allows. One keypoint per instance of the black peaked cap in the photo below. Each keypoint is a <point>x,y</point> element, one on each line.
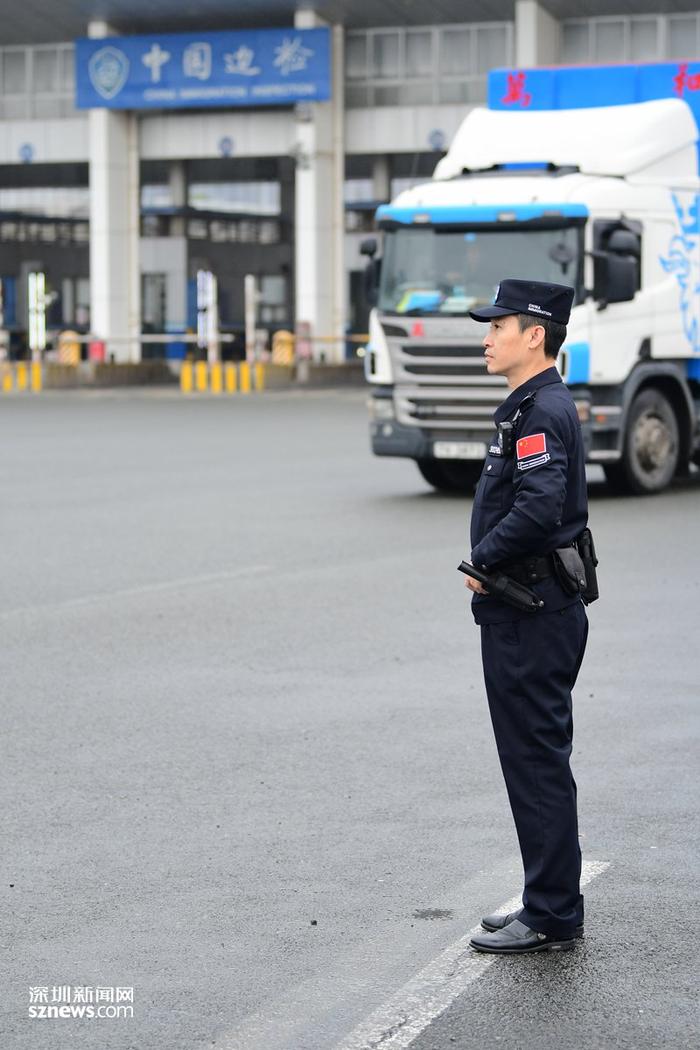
<point>551,302</point>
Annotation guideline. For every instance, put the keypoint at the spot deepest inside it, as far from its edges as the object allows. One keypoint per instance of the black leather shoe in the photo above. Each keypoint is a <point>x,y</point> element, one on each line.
<point>516,939</point>
<point>497,922</point>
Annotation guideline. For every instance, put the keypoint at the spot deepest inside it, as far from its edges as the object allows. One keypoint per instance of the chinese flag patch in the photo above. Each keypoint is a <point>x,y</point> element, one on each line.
<point>534,445</point>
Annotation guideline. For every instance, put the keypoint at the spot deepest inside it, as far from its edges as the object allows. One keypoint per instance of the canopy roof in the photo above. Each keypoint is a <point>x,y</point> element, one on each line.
<point>44,21</point>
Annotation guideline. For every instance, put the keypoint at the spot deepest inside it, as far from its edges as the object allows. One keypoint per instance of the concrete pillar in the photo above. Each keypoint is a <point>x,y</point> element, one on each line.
<point>537,35</point>
<point>381,181</point>
<point>320,280</point>
<point>115,281</point>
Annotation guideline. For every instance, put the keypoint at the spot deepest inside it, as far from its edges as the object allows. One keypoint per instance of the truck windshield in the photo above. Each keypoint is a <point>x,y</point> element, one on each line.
<point>434,271</point>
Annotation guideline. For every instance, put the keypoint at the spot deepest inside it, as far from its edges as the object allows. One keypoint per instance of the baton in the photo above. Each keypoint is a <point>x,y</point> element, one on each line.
<point>501,586</point>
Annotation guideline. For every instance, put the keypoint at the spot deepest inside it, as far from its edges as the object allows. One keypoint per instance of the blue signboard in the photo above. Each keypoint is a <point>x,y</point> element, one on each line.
<point>575,87</point>
<point>258,67</point>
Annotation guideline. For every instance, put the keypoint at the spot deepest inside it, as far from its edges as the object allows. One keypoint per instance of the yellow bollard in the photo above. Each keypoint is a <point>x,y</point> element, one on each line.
<point>21,376</point>
<point>259,376</point>
<point>245,377</point>
<point>36,377</point>
<point>283,347</point>
<point>69,348</point>
<point>7,380</point>
<point>186,377</point>
<point>215,379</point>
<point>201,370</point>
<point>230,378</point>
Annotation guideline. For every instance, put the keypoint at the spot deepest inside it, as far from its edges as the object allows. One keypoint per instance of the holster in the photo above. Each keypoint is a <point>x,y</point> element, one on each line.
<point>586,549</point>
<point>570,570</point>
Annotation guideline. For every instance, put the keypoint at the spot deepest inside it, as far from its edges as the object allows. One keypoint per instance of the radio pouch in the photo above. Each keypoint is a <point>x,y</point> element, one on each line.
<point>586,548</point>
<point>570,570</point>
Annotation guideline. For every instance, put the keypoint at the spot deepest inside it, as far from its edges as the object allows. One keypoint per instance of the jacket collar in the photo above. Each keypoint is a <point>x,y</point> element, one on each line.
<point>510,405</point>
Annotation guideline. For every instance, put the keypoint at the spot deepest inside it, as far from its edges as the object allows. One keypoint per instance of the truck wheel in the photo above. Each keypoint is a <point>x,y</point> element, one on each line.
<point>451,475</point>
<point>650,453</point>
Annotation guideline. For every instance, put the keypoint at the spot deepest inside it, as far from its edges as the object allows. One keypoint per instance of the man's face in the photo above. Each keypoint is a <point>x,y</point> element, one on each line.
<point>507,350</point>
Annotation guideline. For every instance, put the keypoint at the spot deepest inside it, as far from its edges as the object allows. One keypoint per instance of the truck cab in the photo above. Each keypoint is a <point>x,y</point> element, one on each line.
<point>604,199</point>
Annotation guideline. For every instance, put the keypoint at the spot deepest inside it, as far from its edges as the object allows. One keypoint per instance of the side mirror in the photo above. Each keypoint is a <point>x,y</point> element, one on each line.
<point>615,278</point>
<point>369,246</point>
<point>623,242</point>
<point>373,271</point>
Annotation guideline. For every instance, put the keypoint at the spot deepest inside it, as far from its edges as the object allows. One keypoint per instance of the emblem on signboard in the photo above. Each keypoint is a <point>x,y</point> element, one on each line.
<point>108,69</point>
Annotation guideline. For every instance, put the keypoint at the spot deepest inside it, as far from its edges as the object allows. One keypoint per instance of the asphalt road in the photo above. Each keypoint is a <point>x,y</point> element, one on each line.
<point>246,761</point>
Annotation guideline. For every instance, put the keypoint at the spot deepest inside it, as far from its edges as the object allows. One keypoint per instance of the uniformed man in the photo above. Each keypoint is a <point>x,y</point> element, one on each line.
<point>530,501</point>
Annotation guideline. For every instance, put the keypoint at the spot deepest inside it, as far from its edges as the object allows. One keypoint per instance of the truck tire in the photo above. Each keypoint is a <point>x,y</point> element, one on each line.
<point>651,447</point>
<point>451,475</point>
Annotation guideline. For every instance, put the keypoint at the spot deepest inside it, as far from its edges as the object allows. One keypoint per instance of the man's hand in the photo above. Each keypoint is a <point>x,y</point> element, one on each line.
<point>474,585</point>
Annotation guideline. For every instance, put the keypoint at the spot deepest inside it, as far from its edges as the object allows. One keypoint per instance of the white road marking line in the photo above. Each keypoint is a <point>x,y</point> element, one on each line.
<point>399,1021</point>
<point>146,588</point>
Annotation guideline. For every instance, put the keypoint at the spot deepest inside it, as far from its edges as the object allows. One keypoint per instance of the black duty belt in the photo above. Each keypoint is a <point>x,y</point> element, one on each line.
<point>529,570</point>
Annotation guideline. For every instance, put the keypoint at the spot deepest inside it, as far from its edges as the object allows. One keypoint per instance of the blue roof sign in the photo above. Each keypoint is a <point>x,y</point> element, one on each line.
<point>258,67</point>
<point>577,87</point>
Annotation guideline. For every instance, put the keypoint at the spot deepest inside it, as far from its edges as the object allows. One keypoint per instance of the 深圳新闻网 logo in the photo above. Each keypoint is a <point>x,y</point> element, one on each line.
<point>108,69</point>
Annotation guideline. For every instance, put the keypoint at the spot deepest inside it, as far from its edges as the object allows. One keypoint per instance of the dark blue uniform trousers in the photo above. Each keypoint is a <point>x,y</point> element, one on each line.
<point>530,667</point>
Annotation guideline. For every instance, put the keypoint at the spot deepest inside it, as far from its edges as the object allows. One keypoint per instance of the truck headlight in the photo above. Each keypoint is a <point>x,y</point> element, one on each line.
<point>381,408</point>
<point>583,408</point>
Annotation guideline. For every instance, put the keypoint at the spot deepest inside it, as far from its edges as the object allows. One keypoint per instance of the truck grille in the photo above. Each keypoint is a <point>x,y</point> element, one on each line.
<point>433,370</point>
<point>423,350</point>
<point>445,386</point>
<point>467,409</point>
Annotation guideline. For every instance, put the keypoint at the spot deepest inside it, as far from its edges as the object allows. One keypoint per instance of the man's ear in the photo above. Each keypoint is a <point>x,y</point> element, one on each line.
<point>536,337</point>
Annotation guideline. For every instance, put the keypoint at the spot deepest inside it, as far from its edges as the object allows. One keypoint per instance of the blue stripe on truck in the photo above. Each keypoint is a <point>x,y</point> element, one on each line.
<point>468,213</point>
<point>578,362</point>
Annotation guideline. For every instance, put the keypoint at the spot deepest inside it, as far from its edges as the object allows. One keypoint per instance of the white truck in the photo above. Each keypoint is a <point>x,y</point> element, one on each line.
<point>605,199</point>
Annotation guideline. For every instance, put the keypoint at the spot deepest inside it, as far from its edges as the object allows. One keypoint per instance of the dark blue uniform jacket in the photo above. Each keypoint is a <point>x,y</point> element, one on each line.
<point>535,500</point>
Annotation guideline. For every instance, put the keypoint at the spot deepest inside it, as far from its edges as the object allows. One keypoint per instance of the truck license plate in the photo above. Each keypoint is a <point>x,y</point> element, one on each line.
<point>459,449</point>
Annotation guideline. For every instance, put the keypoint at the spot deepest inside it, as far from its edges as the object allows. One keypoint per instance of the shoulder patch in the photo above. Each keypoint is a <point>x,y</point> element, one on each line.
<point>536,462</point>
<point>534,445</point>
